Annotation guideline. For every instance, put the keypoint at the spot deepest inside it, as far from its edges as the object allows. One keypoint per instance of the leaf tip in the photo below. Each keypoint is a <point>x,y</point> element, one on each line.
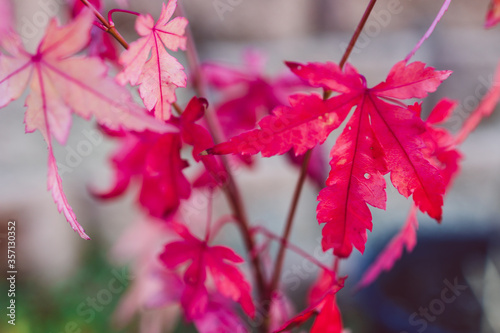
<point>293,65</point>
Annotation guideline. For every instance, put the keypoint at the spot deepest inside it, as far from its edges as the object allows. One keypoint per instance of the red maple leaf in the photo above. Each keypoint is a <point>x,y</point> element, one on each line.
<point>148,64</point>
<point>405,238</point>
<point>101,43</point>
<point>62,83</point>
<point>219,260</point>
<point>249,95</point>
<point>76,6</point>
<point>441,144</point>
<point>155,160</point>
<point>441,149</point>
<point>199,138</point>
<point>484,109</point>
<point>321,303</point>
<point>382,135</point>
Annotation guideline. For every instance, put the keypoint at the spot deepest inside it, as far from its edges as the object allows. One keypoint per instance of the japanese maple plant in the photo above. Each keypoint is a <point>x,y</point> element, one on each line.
<point>383,134</point>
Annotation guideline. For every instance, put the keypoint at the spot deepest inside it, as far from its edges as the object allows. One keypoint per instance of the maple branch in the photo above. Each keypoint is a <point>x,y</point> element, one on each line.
<point>336,264</point>
<point>354,39</point>
<point>110,27</point>
<point>209,216</point>
<point>357,32</point>
<point>177,108</point>
<point>303,173</point>
<point>100,26</point>
<point>292,247</point>
<point>289,222</point>
<point>230,189</point>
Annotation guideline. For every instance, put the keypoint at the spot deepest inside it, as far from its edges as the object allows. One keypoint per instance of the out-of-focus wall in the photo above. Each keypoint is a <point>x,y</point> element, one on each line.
<point>296,30</point>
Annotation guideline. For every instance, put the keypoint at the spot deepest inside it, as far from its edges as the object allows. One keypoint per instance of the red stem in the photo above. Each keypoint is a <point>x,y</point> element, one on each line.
<point>110,28</point>
<point>222,221</point>
<point>110,14</point>
<point>336,264</point>
<point>357,32</point>
<point>292,247</point>
<point>100,26</point>
<point>289,222</point>
<point>209,216</point>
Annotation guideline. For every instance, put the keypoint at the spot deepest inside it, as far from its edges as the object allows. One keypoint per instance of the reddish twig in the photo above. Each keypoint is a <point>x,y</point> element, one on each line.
<point>292,247</point>
<point>110,28</point>
<point>112,11</point>
<point>289,222</point>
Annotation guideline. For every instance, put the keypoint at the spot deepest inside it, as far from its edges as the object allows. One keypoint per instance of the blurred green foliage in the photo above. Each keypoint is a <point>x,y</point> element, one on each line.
<point>66,308</point>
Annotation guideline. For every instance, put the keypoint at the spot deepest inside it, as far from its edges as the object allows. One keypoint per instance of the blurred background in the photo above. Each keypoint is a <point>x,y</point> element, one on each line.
<point>57,271</point>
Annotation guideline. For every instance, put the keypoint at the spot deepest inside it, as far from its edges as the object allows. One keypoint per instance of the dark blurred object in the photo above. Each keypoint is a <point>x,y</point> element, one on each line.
<point>429,290</point>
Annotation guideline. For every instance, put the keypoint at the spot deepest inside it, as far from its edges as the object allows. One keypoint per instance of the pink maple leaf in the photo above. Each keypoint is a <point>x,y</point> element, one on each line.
<point>5,17</point>
<point>148,64</point>
<point>219,260</point>
<point>61,83</point>
<point>154,292</point>
<point>302,126</point>
<point>163,183</point>
<point>442,147</point>
<point>219,318</point>
<point>493,14</point>
<point>382,135</point>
